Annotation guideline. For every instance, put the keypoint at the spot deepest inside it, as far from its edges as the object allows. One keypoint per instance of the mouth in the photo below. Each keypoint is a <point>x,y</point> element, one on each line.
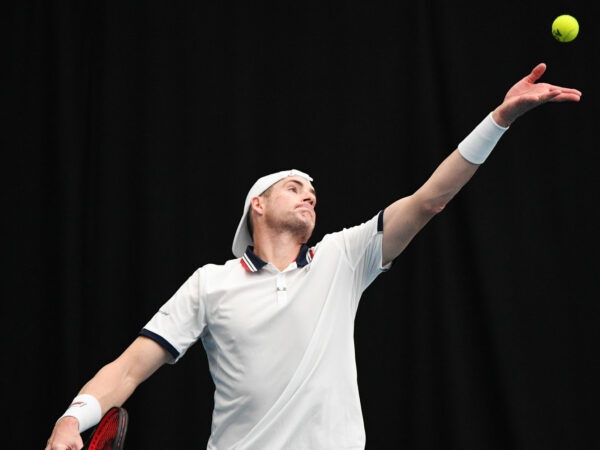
<point>304,209</point>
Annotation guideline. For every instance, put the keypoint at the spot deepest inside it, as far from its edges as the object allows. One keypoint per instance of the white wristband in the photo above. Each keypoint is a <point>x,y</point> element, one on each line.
<point>86,409</point>
<point>478,145</point>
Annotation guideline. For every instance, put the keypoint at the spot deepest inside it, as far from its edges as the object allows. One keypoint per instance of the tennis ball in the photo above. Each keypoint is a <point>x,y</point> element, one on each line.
<point>565,28</point>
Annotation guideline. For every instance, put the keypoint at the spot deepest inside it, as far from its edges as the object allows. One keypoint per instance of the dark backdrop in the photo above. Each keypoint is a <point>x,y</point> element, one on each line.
<point>134,130</point>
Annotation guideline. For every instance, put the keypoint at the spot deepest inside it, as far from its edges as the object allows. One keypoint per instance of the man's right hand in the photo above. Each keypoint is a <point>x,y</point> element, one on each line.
<point>65,435</point>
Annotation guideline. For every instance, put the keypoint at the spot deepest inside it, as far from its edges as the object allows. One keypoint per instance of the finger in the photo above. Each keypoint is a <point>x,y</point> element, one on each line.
<point>566,97</point>
<point>570,91</point>
<point>563,94</point>
<point>536,73</point>
<point>550,94</point>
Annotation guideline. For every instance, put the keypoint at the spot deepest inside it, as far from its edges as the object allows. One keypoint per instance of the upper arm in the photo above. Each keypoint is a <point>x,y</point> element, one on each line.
<point>141,359</point>
<point>402,220</point>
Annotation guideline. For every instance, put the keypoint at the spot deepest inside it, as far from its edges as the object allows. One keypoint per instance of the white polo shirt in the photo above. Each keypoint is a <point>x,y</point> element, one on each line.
<point>280,344</point>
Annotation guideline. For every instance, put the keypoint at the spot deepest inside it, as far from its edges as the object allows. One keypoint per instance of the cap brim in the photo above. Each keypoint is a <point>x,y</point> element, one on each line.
<point>242,238</point>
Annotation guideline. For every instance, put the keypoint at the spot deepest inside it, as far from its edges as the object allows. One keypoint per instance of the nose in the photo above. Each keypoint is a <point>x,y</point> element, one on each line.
<point>310,198</point>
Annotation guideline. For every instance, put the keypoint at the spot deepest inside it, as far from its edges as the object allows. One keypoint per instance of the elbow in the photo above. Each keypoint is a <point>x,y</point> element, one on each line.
<point>432,209</point>
<point>438,208</point>
<point>430,205</point>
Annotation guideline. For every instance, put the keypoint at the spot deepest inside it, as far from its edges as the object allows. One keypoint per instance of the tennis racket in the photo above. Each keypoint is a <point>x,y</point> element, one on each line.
<point>109,434</point>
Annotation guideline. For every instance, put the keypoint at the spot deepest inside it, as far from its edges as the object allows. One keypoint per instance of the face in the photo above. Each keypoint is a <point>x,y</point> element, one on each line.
<point>289,205</point>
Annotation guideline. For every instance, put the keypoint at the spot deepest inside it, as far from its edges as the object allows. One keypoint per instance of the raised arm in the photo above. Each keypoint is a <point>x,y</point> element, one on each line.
<point>404,218</point>
<point>111,386</point>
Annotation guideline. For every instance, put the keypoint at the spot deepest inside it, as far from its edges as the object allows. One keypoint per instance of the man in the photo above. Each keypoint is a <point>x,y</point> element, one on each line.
<point>277,323</point>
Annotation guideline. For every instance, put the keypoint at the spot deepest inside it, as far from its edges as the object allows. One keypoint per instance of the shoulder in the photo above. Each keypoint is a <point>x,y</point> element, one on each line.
<point>373,225</point>
<point>218,269</point>
<point>351,236</point>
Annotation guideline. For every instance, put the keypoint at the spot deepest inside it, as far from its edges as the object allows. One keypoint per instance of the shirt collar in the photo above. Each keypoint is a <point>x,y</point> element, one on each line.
<point>253,263</point>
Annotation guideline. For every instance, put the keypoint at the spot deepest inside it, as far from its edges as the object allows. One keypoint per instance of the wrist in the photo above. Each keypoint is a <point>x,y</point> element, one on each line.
<point>478,145</point>
<point>68,420</point>
<point>500,119</point>
<point>83,410</point>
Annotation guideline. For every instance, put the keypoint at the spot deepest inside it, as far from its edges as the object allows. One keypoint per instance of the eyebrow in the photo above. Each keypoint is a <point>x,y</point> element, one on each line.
<point>312,189</point>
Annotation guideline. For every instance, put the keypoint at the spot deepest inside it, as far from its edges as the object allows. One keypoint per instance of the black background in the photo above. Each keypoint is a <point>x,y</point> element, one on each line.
<point>134,130</point>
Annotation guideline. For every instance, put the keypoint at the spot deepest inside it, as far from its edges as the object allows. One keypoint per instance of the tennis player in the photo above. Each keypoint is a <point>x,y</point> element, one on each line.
<point>277,321</point>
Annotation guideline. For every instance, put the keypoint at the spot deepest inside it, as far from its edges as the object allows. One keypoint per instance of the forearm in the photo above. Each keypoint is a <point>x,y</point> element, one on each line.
<point>111,386</point>
<point>406,217</point>
<point>445,182</point>
<point>116,381</point>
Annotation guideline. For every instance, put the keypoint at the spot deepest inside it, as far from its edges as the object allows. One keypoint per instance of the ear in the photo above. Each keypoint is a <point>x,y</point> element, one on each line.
<point>257,204</point>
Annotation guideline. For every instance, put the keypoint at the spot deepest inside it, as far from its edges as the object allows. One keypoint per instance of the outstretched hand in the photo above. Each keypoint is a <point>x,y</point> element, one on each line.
<point>526,94</point>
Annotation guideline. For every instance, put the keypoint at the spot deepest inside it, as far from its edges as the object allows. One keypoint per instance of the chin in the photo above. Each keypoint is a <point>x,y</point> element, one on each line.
<point>309,231</point>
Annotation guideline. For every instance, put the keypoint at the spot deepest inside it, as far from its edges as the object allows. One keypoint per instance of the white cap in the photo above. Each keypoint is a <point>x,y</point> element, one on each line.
<point>242,238</point>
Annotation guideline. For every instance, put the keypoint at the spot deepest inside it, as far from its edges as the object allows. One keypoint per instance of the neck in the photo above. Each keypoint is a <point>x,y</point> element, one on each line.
<point>279,250</point>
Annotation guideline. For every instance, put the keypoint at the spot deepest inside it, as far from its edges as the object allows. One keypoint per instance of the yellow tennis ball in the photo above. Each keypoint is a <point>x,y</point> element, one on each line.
<point>565,28</point>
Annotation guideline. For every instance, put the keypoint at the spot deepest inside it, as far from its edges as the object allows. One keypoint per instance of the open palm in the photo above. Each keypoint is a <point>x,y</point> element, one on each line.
<point>526,94</point>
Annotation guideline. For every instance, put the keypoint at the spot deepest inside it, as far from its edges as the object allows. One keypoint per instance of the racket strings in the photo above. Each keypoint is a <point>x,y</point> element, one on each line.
<point>109,432</point>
